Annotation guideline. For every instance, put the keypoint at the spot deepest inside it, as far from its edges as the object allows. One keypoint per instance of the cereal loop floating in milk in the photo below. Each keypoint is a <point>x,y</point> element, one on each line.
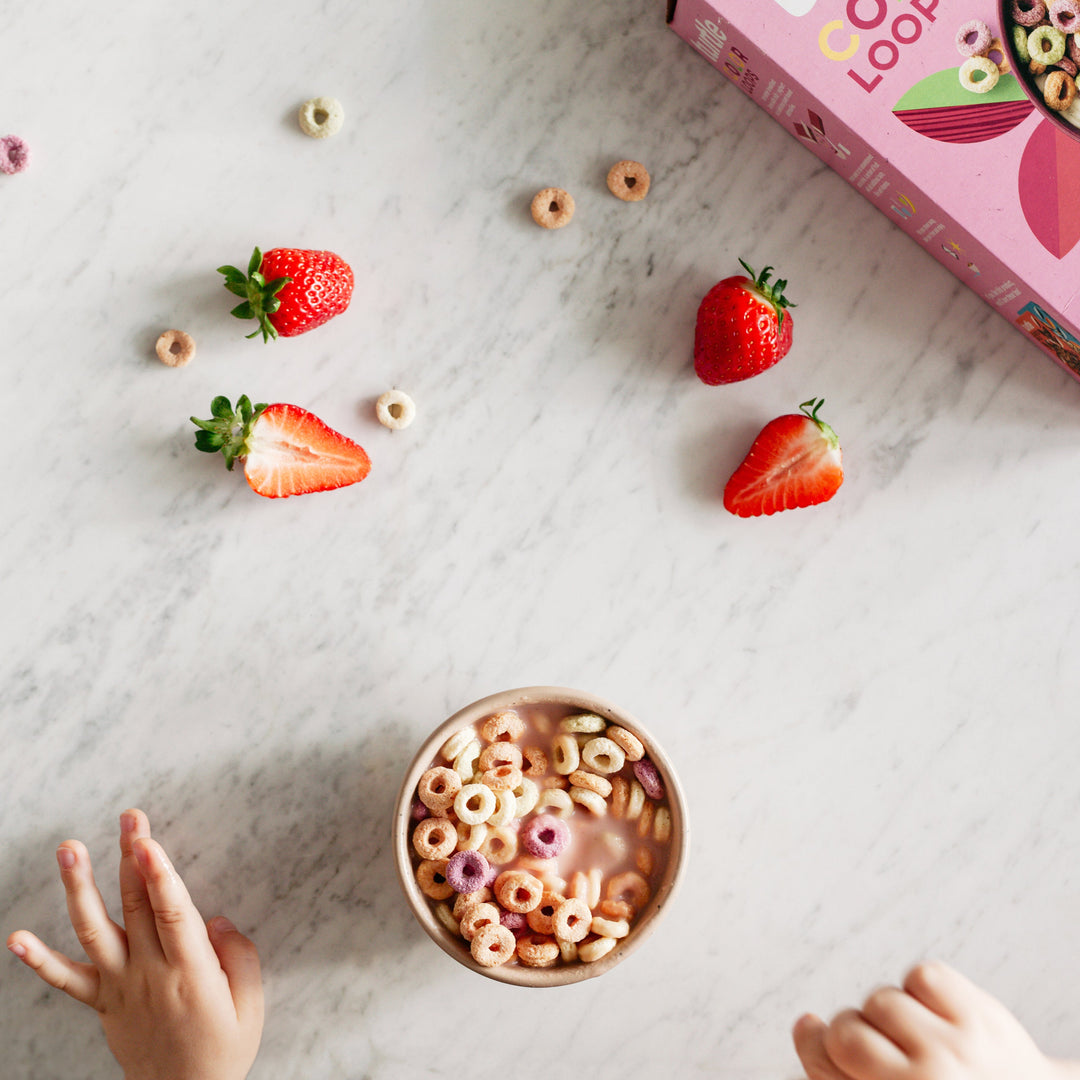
<point>438,788</point>
<point>493,945</point>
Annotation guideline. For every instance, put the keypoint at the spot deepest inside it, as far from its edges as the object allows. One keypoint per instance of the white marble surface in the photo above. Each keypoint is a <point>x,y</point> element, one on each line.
<point>873,703</point>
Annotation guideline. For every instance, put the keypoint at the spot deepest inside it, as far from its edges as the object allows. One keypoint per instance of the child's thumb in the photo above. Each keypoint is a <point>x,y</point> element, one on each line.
<point>239,960</point>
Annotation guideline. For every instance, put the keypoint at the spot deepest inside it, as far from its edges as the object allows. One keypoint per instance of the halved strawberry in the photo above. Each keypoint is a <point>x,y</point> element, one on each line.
<point>795,461</point>
<point>285,450</point>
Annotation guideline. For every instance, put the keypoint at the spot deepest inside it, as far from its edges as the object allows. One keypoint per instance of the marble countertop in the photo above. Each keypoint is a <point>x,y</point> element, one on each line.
<point>872,703</point>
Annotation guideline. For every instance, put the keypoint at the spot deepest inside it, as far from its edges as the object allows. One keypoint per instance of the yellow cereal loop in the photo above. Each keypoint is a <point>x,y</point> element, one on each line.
<point>592,951</point>
<point>456,743</point>
<point>565,754</point>
<point>475,803</point>
<point>603,756</point>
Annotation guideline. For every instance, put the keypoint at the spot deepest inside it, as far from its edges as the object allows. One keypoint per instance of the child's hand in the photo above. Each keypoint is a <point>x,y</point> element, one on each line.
<point>178,1000</point>
<point>939,1026</point>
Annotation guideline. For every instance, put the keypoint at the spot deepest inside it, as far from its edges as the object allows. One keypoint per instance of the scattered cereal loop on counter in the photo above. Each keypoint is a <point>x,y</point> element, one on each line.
<point>552,208</point>
<point>629,181</point>
<point>321,117</point>
<point>14,154</point>
<point>396,410</point>
<point>174,348</point>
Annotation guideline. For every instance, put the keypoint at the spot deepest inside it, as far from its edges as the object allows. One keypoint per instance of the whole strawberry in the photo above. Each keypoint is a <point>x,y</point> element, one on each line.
<point>290,290</point>
<point>794,461</point>
<point>743,327</point>
<point>285,450</point>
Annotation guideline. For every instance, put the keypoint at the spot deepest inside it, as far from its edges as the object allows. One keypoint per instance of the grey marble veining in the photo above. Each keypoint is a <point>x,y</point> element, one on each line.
<point>872,703</point>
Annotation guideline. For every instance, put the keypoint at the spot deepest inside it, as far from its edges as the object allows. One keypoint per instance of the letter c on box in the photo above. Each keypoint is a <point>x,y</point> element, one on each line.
<point>827,32</point>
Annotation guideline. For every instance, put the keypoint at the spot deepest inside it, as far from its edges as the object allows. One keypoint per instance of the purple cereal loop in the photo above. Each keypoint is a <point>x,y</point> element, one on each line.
<point>1073,48</point>
<point>545,836</point>
<point>1065,15</point>
<point>515,922</point>
<point>1068,66</point>
<point>419,811</point>
<point>466,871</point>
<point>979,45</point>
<point>14,154</point>
<point>649,777</point>
<point>1028,16</point>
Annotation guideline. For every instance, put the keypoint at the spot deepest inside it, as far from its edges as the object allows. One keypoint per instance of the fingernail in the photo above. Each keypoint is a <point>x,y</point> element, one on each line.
<point>221,925</point>
<point>65,857</point>
<point>18,950</point>
<point>128,822</point>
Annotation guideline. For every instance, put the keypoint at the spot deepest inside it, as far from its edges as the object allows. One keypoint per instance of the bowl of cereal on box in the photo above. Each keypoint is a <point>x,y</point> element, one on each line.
<point>539,835</point>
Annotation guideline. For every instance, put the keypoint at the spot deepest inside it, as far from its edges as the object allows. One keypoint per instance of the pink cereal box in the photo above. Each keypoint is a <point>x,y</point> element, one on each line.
<point>952,138</point>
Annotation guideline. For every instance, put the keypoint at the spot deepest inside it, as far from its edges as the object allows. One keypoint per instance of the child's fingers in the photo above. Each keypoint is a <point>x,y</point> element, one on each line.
<point>180,928</point>
<point>239,960</point>
<point>942,990</point>
<point>809,1035</point>
<point>80,981</point>
<point>860,1050</point>
<point>100,937</point>
<point>138,914</point>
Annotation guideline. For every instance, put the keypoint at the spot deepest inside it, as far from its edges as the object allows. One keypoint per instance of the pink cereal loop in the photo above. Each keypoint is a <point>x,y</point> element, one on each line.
<point>545,836</point>
<point>503,725</point>
<point>438,788</point>
<point>475,917</point>
<point>537,950</point>
<point>518,891</point>
<point>572,919</point>
<point>1028,12</point>
<point>435,838</point>
<point>630,887</point>
<point>978,33</point>
<point>493,945</point>
<point>1065,15</point>
<point>14,154</point>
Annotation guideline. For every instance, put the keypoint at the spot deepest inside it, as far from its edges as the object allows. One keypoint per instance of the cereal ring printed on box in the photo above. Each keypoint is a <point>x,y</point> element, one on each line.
<point>615,909</point>
<point>395,410</point>
<point>446,917</point>
<point>493,945</point>
<point>557,801</point>
<point>1019,40</point>
<point>518,890</point>
<point>435,838</point>
<point>1046,45</point>
<point>662,825</point>
<point>467,871</point>
<point>627,741</point>
<point>603,756</point>
<point>545,836</point>
<point>636,803</point>
<point>503,726</point>
<point>465,762</point>
<point>321,117</point>
<point>565,755</point>
<point>534,761</point>
<point>590,800</point>
<point>541,916</point>
<point>552,208</point>
<point>591,951</point>
<point>174,348</point>
<point>456,743</point>
<point>438,788</point>
<point>645,861</point>
<point>613,928</point>
<point>477,916</point>
<point>1028,12</point>
<point>973,38</point>
<point>527,795</point>
<point>572,919</point>
<point>502,778</point>
<point>591,782</point>
<point>645,822</point>
<point>537,950</point>
<point>14,154</point>
<point>630,887</point>
<point>979,75</point>
<point>466,900</point>
<point>470,837</point>
<point>997,53</point>
<point>1065,15</point>
<point>629,181</point>
<point>500,846</point>
<point>583,724</point>
<point>431,877</point>
<point>475,803</point>
<point>648,776</point>
<point>499,753</point>
<point>1059,90</point>
<point>505,809</point>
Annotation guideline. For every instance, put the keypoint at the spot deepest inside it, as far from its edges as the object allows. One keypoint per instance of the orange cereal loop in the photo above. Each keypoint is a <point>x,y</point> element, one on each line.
<point>552,208</point>
<point>174,348</point>
<point>613,928</point>
<point>518,891</point>
<point>591,782</point>
<point>644,825</point>
<point>503,725</point>
<point>1059,90</point>
<point>502,778</point>
<point>438,788</point>
<point>493,945</point>
<point>475,917</point>
<point>628,180</point>
<point>630,887</point>
<point>431,877</point>
<point>645,860</point>
<point>500,846</point>
<point>540,917</point>
<point>995,50</point>
<point>555,782</point>
<point>535,759</point>
<point>591,951</point>
<point>620,796</point>
<point>470,837</point>
<point>466,900</point>
<point>499,753</point>
<point>631,745</point>
<point>615,909</point>
<point>435,838</point>
<point>572,919</point>
<point>538,950</point>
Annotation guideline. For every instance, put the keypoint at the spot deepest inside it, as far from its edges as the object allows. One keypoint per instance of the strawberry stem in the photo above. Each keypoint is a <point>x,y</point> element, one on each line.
<point>774,293</point>
<point>810,408</point>
<point>228,430</point>
<point>260,299</point>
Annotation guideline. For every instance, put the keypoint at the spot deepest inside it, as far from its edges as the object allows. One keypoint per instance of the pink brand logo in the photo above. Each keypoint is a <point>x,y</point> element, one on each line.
<point>796,7</point>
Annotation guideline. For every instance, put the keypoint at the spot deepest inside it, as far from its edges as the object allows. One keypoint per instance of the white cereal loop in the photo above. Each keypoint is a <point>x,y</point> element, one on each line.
<point>505,809</point>
<point>446,917</point>
<point>615,844</point>
<point>477,916</point>
<point>567,950</point>
<point>557,800</point>
<point>662,824</point>
<point>644,825</point>
<point>587,723</point>
<point>431,877</point>
<point>565,754</point>
<point>975,65</point>
<point>499,753</point>
<point>321,117</point>
<point>474,804</point>
<point>493,945</point>
<point>438,788</point>
<point>528,795</point>
<point>599,784</point>
<point>504,725</point>
<point>631,887</point>
<point>592,951</point>
<point>587,886</point>
<point>435,838</point>
<point>500,846</point>
<point>395,410</point>
<point>456,743</point>
<point>465,762</point>
<point>630,744</point>
<point>572,919</point>
<point>603,756</point>
<point>589,799</point>
<point>636,802</point>
<point>613,928</point>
